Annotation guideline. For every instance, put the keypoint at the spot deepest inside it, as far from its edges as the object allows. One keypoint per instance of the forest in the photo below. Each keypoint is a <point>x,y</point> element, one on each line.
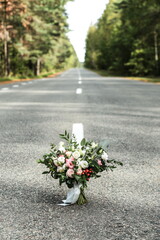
<point>126,39</point>
<point>33,37</point>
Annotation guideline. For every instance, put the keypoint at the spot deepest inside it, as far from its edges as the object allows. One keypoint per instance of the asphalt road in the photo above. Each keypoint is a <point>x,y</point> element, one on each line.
<point>123,205</point>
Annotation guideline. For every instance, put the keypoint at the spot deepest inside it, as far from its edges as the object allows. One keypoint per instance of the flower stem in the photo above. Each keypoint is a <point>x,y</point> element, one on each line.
<point>82,199</point>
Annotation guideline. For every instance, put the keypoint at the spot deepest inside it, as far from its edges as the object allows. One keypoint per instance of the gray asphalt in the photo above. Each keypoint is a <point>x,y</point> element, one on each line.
<point>123,205</point>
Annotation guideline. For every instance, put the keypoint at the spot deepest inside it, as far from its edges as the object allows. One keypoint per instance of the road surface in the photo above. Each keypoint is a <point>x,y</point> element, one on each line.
<point>123,205</point>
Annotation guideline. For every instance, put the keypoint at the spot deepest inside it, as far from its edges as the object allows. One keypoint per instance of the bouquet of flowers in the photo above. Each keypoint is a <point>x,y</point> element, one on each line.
<point>75,164</point>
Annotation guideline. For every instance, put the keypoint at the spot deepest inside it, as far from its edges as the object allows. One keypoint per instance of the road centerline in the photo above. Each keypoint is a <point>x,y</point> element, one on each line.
<point>79,91</point>
<point>78,131</point>
<point>4,89</point>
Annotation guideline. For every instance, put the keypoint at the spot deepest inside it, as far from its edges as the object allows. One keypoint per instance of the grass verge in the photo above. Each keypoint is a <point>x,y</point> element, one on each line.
<point>25,78</point>
<point>144,79</point>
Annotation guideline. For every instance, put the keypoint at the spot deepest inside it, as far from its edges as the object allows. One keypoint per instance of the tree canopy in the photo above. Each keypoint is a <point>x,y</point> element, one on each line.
<point>126,38</point>
<point>33,37</point>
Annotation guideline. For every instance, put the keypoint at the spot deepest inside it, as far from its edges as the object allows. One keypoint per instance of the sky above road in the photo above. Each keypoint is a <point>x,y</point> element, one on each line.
<point>81,14</point>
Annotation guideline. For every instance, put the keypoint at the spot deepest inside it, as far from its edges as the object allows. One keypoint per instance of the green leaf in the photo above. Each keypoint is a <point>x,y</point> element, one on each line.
<point>83,142</point>
<point>77,177</point>
<point>97,176</point>
<point>46,172</point>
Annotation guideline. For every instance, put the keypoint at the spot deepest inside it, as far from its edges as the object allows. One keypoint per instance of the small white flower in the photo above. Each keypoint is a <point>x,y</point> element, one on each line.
<point>82,152</point>
<point>60,169</point>
<point>61,144</point>
<point>76,154</point>
<point>61,159</point>
<point>104,156</point>
<point>94,145</point>
<point>83,164</point>
<point>68,153</point>
<point>61,149</point>
<point>79,147</point>
<point>55,162</point>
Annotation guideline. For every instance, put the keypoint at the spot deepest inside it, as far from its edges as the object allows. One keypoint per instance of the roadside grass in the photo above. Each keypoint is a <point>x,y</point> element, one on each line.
<point>4,79</point>
<point>144,79</point>
<point>21,78</point>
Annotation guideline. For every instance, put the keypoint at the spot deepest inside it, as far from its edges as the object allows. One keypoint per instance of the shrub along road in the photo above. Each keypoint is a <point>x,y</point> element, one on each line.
<point>123,205</point>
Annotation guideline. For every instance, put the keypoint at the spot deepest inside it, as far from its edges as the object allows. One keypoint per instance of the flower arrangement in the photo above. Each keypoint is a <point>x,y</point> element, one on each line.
<point>75,164</point>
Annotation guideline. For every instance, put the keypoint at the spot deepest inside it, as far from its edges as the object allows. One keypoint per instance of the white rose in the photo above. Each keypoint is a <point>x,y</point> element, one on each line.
<point>83,164</point>
<point>60,169</point>
<point>68,153</point>
<point>104,156</point>
<point>94,145</point>
<point>61,159</point>
<point>76,154</point>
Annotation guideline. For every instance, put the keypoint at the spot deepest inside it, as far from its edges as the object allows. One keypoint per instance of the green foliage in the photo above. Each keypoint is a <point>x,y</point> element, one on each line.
<point>126,38</point>
<point>84,160</point>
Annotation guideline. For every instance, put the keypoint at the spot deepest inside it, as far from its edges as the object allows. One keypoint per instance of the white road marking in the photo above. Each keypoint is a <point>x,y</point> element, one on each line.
<point>4,89</point>
<point>80,78</point>
<point>79,82</point>
<point>77,131</point>
<point>79,91</point>
<point>23,83</point>
<point>15,86</point>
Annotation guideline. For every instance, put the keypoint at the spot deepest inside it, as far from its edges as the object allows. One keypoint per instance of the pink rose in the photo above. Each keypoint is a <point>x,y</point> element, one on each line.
<point>70,172</point>
<point>79,171</point>
<point>99,163</point>
<point>69,163</point>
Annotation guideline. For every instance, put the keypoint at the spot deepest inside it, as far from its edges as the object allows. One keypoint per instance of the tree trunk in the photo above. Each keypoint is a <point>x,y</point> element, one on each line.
<point>6,60</point>
<point>6,36</point>
<point>156,51</point>
<point>38,67</point>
